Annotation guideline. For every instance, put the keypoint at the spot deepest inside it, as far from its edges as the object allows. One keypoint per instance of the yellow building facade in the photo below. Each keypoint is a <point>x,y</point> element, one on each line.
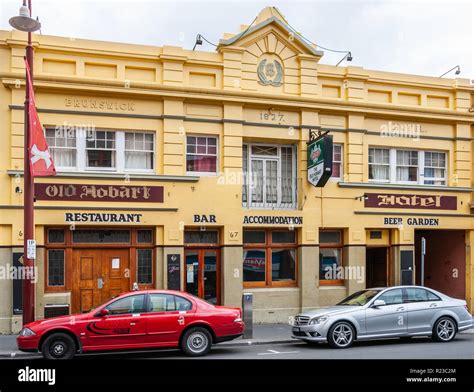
<point>188,170</point>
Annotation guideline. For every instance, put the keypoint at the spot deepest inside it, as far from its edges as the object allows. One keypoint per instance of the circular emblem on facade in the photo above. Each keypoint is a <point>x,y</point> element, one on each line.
<point>270,72</point>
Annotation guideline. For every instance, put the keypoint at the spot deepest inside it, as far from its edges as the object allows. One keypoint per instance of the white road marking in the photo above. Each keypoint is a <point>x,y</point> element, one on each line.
<point>273,352</point>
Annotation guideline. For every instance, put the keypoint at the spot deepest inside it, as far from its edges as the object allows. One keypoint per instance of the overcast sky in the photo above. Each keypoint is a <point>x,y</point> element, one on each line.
<point>419,37</point>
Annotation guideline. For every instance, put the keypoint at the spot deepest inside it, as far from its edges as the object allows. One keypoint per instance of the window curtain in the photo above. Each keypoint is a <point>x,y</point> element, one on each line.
<point>256,181</point>
<point>379,172</point>
<point>199,163</point>
<point>271,181</point>
<point>287,185</point>
<point>64,157</point>
<point>137,160</point>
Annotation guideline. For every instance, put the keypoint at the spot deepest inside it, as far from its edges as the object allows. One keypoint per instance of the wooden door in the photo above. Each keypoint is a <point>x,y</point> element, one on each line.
<point>97,276</point>
<point>115,272</point>
<point>87,269</point>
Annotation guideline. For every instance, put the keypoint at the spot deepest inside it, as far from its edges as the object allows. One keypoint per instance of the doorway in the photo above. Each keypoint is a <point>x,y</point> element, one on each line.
<point>376,263</point>
<point>202,273</point>
<point>445,261</point>
<point>98,275</point>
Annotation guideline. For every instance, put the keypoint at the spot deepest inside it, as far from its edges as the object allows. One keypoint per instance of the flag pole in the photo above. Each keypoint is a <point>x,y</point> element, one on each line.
<point>28,195</point>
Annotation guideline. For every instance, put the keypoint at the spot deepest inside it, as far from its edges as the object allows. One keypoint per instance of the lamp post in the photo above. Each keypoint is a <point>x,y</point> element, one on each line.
<point>24,22</point>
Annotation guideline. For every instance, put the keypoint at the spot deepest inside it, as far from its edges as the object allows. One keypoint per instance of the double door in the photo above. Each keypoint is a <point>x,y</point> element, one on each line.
<point>203,273</point>
<point>98,275</point>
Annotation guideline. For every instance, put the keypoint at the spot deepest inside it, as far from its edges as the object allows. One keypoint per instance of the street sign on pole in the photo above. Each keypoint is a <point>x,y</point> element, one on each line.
<point>423,252</point>
<point>31,249</point>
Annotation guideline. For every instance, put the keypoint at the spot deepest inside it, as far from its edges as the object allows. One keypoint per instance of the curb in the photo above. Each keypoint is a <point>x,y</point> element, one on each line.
<point>17,355</point>
<point>256,342</point>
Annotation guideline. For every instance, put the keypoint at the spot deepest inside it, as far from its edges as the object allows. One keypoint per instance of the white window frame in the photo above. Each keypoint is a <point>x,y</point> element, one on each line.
<point>115,152</point>
<point>52,148</point>
<point>122,140</point>
<point>390,165</point>
<point>421,167</point>
<point>341,170</point>
<point>445,179</point>
<point>199,173</point>
<point>81,153</point>
<point>278,204</point>
<point>397,166</point>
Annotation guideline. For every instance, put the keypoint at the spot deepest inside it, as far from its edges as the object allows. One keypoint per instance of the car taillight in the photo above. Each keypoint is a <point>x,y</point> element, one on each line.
<point>467,308</point>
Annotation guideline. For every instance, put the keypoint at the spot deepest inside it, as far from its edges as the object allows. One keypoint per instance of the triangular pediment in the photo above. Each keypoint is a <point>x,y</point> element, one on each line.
<point>270,33</point>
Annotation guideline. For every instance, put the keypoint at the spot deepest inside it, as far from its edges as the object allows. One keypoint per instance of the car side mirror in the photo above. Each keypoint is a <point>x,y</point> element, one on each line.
<point>103,312</point>
<point>378,302</point>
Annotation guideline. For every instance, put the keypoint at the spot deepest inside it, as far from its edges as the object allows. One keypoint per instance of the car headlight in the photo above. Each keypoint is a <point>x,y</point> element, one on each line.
<point>27,332</point>
<point>318,320</point>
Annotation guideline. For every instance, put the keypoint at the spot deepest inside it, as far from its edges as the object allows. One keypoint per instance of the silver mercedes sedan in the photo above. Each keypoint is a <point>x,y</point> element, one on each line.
<point>400,311</point>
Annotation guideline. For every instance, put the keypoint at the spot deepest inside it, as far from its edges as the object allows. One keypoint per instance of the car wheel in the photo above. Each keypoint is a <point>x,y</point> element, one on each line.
<point>444,329</point>
<point>196,342</point>
<point>58,346</point>
<point>341,335</point>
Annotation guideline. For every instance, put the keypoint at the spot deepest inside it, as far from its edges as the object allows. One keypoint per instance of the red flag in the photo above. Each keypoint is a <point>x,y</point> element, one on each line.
<point>41,162</point>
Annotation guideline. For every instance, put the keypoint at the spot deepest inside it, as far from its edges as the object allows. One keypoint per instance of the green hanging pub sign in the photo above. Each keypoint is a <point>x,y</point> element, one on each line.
<point>319,158</point>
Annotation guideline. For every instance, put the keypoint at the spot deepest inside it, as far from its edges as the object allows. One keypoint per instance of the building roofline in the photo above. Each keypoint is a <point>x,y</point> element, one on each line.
<point>279,22</point>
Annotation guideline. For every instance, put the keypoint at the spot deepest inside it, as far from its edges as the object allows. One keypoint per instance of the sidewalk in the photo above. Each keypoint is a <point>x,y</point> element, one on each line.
<point>265,334</point>
<point>262,334</point>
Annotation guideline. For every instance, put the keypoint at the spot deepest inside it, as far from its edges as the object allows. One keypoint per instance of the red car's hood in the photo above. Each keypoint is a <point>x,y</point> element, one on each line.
<point>60,320</point>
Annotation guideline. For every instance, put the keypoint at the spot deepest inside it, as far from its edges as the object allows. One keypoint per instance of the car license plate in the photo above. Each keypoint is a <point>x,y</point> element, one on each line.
<point>296,329</point>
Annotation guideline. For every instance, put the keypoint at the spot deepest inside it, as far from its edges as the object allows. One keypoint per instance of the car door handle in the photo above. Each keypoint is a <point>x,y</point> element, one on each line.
<point>433,306</point>
<point>400,309</point>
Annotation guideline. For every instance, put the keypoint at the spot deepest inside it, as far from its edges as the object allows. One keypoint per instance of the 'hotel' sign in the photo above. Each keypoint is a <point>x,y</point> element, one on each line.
<point>99,192</point>
<point>426,202</point>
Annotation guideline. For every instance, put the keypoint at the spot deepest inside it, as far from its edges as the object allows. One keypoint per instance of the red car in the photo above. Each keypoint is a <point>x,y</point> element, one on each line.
<point>135,320</point>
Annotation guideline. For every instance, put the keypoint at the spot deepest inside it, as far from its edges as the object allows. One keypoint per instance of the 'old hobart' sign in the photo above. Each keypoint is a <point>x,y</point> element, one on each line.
<point>99,192</point>
<point>427,202</point>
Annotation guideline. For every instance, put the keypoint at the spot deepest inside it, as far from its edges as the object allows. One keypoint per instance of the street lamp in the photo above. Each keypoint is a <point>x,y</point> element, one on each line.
<point>24,22</point>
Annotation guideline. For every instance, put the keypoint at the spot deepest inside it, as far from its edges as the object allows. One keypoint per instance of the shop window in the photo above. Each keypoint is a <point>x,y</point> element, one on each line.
<point>407,166</point>
<point>201,237</point>
<point>269,258</point>
<point>144,236</point>
<point>337,161</point>
<point>56,267</point>
<point>139,151</point>
<point>56,236</point>
<point>201,154</point>
<point>254,236</point>
<point>144,266</point>
<point>269,175</point>
<point>100,149</point>
<point>62,146</point>
<point>330,257</point>
<point>86,236</point>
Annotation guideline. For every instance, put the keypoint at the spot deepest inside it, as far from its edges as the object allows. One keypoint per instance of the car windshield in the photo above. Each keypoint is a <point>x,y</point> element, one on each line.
<point>359,298</point>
